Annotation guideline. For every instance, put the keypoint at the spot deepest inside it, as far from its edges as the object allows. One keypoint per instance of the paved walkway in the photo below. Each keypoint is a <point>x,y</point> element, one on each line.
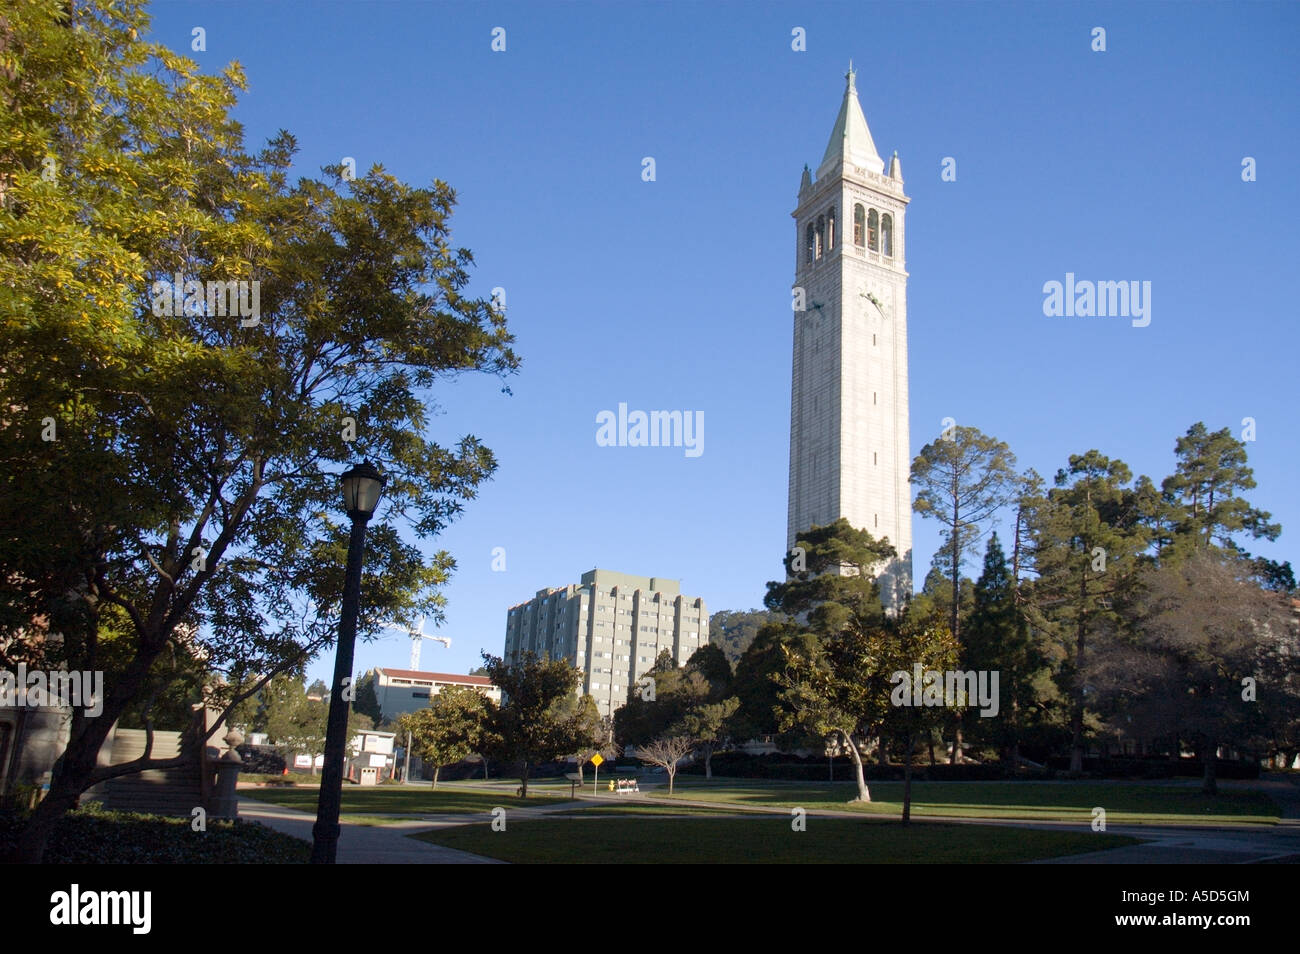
<point>366,844</point>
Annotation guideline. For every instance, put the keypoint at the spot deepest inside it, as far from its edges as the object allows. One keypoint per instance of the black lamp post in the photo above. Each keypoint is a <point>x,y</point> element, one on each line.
<point>362,486</point>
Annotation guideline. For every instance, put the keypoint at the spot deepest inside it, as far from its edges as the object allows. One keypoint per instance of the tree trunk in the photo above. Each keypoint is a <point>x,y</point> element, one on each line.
<point>930,736</point>
<point>954,757</point>
<point>672,773</point>
<point>1076,716</point>
<point>708,763</point>
<point>956,564</point>
<point>907,782</point>
<point>523,788</point>
<point>1210,765</point>
<point>580,764</point>
<point>436,769</point>
<point>75,769</point>
<point>863,794</point>
<point>485,770</point>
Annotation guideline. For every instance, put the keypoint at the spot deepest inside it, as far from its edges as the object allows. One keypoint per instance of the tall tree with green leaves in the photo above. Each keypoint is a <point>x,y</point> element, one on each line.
<point>830,577</point>
<point>843,691</point>
<point>1090,536</point>
<point>686,702</point>
<point>754,685</point>
<point>449,728</point>
<point>366,700</point>
<point>961,480</point>
<point>536,721</point>
<point>1205,490</point>
<point>192,476</point>
<point>294,723</point>
<point>998,639</point>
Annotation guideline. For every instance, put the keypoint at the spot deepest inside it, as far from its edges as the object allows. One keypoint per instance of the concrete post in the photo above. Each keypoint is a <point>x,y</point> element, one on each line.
<point>225,804</point>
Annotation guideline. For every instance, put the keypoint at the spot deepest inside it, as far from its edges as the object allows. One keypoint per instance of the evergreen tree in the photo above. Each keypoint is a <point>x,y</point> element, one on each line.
<point>961,479</point>
<point>1089,537</point>
<point>998,639</point>
<point>831,577</point>
<point>1204,493</point>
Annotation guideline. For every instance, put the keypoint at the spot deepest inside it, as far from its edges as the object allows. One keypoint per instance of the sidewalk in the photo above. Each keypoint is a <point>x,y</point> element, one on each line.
<point>365,844</point>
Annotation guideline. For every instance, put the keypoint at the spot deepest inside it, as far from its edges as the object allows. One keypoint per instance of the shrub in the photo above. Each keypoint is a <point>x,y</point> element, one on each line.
<point>90,835</point>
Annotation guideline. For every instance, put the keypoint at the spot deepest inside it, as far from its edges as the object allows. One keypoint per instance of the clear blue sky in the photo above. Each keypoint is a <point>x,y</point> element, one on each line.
<point>675,294</point>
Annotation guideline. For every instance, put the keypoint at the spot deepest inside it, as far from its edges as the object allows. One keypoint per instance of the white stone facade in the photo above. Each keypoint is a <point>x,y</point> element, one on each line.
<point>850,454</point>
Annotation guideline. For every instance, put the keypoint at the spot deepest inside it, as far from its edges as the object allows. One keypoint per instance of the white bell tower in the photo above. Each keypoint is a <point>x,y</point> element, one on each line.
<point>849,450</point>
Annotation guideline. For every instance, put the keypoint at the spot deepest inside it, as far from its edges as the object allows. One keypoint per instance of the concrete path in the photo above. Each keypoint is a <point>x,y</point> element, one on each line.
<point>1244,844</point>
<point>368,844</point>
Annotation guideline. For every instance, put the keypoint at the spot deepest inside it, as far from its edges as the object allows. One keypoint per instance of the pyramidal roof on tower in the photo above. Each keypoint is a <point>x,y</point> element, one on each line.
<point>851,139</point>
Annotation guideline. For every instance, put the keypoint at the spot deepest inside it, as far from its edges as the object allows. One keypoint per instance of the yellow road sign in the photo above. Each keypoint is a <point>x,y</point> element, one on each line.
<point>597,759</point>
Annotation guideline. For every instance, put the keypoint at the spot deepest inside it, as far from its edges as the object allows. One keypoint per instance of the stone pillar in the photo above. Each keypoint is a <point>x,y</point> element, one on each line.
<point>225,804</point>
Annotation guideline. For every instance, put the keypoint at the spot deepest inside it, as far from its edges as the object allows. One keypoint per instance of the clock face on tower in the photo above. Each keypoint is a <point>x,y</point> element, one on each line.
<point>875,302</point>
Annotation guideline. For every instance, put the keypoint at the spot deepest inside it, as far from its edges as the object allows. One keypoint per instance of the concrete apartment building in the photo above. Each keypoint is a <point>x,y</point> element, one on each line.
<point>610,626</point>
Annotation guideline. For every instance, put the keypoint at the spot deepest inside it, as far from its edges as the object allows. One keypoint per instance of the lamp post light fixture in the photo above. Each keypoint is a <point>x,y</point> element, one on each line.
<point>362,486</point>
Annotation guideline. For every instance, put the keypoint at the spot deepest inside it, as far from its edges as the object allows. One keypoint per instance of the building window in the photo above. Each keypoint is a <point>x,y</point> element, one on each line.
<point>819,239</point>
<point>812,244</point>
<point>859,225</point>
<point>830,230</point>
<point>873,229</point>
<point>887,234</point>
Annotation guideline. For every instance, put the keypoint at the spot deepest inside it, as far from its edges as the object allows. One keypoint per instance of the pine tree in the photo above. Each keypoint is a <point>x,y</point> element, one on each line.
<point>1089,537</point>
<point>962,479</point>
<point>998,639</point>
<point>1204,493</point>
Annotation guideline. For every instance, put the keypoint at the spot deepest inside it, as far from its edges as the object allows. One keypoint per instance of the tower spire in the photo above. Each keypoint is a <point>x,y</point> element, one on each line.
<point>850,138</point>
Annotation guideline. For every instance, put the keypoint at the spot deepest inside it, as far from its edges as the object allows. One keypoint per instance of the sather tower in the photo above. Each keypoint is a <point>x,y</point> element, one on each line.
<point>849,450</point>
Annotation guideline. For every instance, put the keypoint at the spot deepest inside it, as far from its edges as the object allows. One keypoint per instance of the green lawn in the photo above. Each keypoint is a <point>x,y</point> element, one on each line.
<point>384,799</point>
<point>761,840</point>
<point>647,808</point>
<point>1042,801</point>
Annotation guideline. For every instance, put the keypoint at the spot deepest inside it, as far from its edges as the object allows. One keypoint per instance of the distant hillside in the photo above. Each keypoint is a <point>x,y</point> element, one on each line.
<point>734,630</point>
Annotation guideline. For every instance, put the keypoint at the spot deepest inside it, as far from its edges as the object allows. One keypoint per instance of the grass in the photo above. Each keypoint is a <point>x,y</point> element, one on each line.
<point>1124,802</point>
<point>648,808</point>
<point>448,798</point>
<point>372,821</point>
<point>762,840</point>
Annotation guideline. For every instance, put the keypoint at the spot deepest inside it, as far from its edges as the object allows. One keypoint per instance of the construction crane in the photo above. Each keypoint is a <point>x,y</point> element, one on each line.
<point>418,637</point>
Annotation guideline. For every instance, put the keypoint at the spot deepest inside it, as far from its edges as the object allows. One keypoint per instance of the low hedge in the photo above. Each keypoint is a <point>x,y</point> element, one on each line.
<point>778,765</point>
<point>90,835</point>
<point>1155,767</point>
